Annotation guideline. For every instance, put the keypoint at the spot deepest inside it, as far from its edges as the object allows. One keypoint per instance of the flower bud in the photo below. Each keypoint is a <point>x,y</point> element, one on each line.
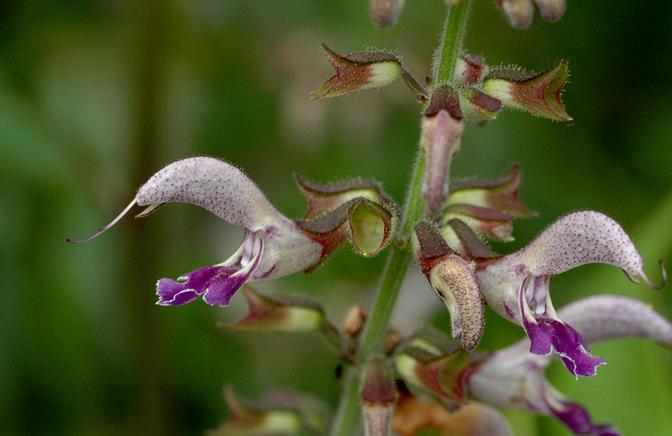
<point>354,320</point>
<point>469,70</point>
<point>551,10</point>
<point>280,314</point>
<point>442,128</point>
<point>518,12</point>
<point>385,12</point>
<point>358,71</point>
<point>538,94</point>
<point>378,396</point>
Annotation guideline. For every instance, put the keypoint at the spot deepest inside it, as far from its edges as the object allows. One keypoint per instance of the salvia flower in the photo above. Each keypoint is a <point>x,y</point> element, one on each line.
<point>520,12</point>
<point>517,285</point>
<point>514,378</point>
<point>363,70</point>
<point>273,245</point>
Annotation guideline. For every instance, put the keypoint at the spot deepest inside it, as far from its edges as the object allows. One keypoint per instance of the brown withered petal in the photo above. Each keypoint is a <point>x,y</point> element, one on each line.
<point>385,12</point>
<point>538,94</point>
<point>500,194</point>
<point>414,415</point>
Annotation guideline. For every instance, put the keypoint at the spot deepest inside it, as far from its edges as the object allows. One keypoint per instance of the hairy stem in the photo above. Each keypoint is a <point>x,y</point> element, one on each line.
<point>399,257</point>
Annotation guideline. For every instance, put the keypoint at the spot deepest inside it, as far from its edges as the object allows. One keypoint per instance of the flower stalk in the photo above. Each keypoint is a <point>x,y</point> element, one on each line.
<point>348,414</point>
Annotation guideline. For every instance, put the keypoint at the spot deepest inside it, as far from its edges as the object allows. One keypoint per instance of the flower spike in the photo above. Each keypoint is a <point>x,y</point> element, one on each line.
<point>517,286</point>
<point>273,245</point>
<point>538,94</point>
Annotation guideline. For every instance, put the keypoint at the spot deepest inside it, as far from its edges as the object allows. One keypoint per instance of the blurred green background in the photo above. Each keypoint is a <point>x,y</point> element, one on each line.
<point>95,96</point>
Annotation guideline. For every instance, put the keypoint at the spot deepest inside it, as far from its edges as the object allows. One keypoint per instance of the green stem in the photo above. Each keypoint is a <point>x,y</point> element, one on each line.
<point>399,257</point>
<point>451,43</point>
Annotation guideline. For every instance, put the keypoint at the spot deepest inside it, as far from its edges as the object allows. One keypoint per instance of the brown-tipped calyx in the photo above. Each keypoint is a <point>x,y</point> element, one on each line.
<point>538,94</point>
<point>279,313</point>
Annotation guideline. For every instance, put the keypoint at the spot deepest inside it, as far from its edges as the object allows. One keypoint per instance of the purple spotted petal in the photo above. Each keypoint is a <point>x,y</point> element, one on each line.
<point>577,239</point>
<point>578,420</point>
<point>548,334</point>
<point>212,184</point>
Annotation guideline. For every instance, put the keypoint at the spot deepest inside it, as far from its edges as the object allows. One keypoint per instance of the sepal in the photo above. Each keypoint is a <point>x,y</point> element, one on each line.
<point>444,376</point>
<point>279,314</point>
<point>360,71</point>
<point>279,413</point>
<point>489,222</point>
<point>538,94</point>
<point>500,194</point>
<point>356,210</point>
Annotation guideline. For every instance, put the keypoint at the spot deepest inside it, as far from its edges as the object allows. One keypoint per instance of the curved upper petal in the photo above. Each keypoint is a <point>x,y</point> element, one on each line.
<point>214,185</point>
<point>577,239</point>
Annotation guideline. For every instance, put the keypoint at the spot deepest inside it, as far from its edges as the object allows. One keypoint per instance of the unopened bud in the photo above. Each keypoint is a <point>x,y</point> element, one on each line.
<point>385,12</point>
<point>551,10</point>
<point>354,320</point>
<point>518,12</point>
<point>379,395</point>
